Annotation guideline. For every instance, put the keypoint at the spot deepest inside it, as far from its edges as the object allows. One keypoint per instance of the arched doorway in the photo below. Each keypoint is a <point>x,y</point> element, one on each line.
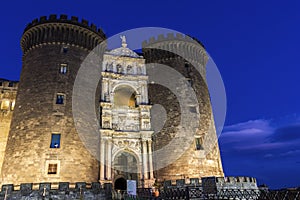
<point>125,166</point>
<point>120,184</point>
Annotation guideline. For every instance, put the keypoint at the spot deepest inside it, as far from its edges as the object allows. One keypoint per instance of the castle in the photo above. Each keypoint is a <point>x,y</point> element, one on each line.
<point>40,141</point>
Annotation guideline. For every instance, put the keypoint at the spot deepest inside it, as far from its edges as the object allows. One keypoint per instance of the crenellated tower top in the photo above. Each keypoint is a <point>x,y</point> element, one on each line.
<point>61,30</point>
<point>176,46</point>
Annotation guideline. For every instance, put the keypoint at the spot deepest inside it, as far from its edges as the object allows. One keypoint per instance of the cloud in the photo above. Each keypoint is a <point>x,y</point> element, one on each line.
<point>269,155</point>
<point>291,153</point>
<point>260,134</point>
<point>259,124</point>
<point>287,133</point>
<point>262,148</point>
<point>246,135</point>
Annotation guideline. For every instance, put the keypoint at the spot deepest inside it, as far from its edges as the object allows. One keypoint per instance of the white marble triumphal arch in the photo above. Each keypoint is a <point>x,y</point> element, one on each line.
<point>125,133</point>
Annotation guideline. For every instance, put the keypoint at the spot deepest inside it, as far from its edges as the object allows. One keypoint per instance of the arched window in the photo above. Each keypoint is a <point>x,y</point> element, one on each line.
<point>125,96</point>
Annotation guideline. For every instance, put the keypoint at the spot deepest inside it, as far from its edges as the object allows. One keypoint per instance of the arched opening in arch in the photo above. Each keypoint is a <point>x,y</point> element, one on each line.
<point>126,166</point>
<point>125,96</point>
<point>120,184</point>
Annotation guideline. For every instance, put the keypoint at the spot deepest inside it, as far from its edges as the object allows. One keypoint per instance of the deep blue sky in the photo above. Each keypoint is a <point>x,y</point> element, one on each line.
<point>255,45</point>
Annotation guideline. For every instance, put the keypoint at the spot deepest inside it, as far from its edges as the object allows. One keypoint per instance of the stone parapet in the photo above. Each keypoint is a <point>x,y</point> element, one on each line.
<point>216,184</point>
<point>62,30</point>
<point>59,190</point>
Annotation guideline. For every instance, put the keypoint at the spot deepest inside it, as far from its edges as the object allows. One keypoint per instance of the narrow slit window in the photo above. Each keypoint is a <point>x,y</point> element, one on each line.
<point>1,84</point>
<point>55,141</point>
<point>52,169</point>
<point>63,68</point>
<point>60,99</point>
<point>12,105</point>
<point>198,144</point>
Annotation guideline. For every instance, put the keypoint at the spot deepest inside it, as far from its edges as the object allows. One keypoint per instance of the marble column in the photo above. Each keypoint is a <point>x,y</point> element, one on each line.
<point>108,164</point>
<point>102,160</point>
<point>145,160</point>
<point>150,159</point>
<point>105,91</point>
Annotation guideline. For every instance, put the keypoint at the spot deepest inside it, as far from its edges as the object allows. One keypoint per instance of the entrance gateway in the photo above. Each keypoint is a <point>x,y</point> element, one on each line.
<point>125,133</point>
<point>120,184</point>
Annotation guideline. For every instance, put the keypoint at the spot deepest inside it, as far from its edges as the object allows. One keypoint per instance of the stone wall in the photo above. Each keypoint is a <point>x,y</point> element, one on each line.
<point>194,163</point>
<point>37,115</point>
<point>8,92</point>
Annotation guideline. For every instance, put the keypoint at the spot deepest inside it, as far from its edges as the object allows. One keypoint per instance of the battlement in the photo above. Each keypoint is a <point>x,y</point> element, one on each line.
<point>173,45</point>
<point>65,19</point>
<point>216,184</point>
<point>61,30</point>
<point>235,180</point>
<point>170,37</point>
<point>7,84</point>
<point>176,46</point>
<point>224,181</point>
<point>61,190</point>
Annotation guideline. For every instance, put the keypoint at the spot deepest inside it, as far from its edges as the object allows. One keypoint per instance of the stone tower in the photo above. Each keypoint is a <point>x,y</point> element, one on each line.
<point>43,145</point>
<point>126,135</point>
<point>8,92</point>
<point>202,157</point>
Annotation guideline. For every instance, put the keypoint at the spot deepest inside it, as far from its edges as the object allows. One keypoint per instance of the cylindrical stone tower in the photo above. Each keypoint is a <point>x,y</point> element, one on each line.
<point>43,145</point>
<point>189,58</point>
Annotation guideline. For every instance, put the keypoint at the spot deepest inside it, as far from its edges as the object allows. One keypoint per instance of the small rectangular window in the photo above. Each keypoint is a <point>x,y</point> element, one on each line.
<point>65,49</point>
<point>187,67</point>
<point>198,144</point>
<point>10,84</point>
<point>60,99</point>
<point>55,141</point>
<point>190,82</point>
<point>63,68</point>
<point>1,83</point>
<point>52,169</point>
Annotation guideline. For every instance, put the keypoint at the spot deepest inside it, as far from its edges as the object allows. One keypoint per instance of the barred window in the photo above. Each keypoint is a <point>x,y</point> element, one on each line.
<point>52,169</point>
